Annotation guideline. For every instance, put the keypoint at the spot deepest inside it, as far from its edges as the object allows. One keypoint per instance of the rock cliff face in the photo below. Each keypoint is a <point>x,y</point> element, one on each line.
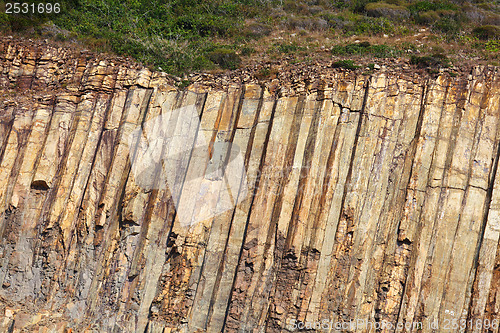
<point>367,197</point>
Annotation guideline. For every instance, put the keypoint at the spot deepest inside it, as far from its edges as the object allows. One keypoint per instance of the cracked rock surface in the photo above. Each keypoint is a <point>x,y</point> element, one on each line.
<point>373,197</point>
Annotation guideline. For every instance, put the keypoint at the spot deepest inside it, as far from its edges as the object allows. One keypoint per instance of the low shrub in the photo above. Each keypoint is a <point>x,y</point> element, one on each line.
<point>382,9</point>
<point>492,19</point>
<point>334,20</point>
<point>428,17</point>
<point>266,73</point>
<point>307,23</point>
<point>442,20</point>
<point>225,58</point>
<point>432,61</point>
<point>4,22</point>
<point>246,51</point>
<point>365,48</point>
<point>347,64</point>
<point>492,46</point>
<point>487,32</point>
<point>370,26</point>
<point>287,48</point>
<point>448,25</point>
<point>257,30</point>
<point>201,62</point>
<point>424,6</point>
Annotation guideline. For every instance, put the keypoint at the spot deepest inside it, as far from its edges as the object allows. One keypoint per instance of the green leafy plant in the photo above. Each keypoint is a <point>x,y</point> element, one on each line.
<point>487,32</point>
<point>288,48</point>
<point>431,61</point>
<point>424,6</point>
<point>391,11</point>
<point>492,46</point>
<point>365,48</point>
<point>347,64</point>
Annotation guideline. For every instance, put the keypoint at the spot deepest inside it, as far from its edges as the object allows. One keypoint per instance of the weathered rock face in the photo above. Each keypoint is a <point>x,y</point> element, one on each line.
<point>369,198</point>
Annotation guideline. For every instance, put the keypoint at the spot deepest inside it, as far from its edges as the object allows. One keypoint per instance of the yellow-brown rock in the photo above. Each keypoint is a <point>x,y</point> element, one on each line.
<point>372,199</point>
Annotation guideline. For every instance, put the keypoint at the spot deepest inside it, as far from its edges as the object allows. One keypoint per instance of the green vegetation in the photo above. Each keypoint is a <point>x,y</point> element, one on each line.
<point>364,48</point>
<point>487,32</point>
<point>382,9</point>
<point>288,48</point>
<point>347,64</point>
<point>181,36</point>
<point>225,58</point>
<point>492,46</point>
<point>431,61</point>
<point>177,36</point>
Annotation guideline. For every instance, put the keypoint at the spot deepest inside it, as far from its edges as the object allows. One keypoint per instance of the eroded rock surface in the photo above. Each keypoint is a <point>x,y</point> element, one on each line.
<point>373,197</point>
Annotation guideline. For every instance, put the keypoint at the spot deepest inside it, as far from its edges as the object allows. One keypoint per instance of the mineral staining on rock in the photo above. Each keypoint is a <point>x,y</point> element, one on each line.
<point>369,197</point>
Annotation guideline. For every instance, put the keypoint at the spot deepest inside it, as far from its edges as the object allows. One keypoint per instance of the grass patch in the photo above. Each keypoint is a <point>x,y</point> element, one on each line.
<point>288,48</point>
<point>424,6</point>
<point>430,61</point>
<point>182,36</point>
<point>492,46</point>
<point>391,11</point>
<point>487,32</point>
<point>347,64</point>
<point>365,48</point>
<point>225,58</point>
<point>266,73</point>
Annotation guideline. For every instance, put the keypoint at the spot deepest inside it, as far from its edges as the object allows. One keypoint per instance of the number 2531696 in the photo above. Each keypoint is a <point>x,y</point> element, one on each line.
<point>32,8</point>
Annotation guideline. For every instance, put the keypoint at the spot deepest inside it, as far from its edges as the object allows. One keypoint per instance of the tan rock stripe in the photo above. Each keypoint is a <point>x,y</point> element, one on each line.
<point>156,235</point>
<point>6,117</point>
<point>73,176</point>
<point>133,114</point>
<point>320,200</point>
<point>378,226</point>
<point>287,183</point>
<point>456,177</point>
<point>35,143</point>
<point>365,171</point>
<point>396,251</point>
<point>310,205</point>
<point>203,283</point>
<point>58,136</point>
<point>291,223</point>
<point>152,221</point>
<point>136,217</point>
<point>289,226</point>
<point>213,258</point>
<point>14,151</point>
<point>435,132</point>
<point>220,131</point>
<point>183,136</point>
<point>471,219</point>
<point>338,169</point>
<point>262,207</point>
<point>441,100</point>
<point>491,234</point>
<point>103,159</point>
<point>83,171</point>
<point>20,255</point>
<point>91,114</point>
<point>401,127</point>
<point>81,256</point>
<point>254,153</point>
